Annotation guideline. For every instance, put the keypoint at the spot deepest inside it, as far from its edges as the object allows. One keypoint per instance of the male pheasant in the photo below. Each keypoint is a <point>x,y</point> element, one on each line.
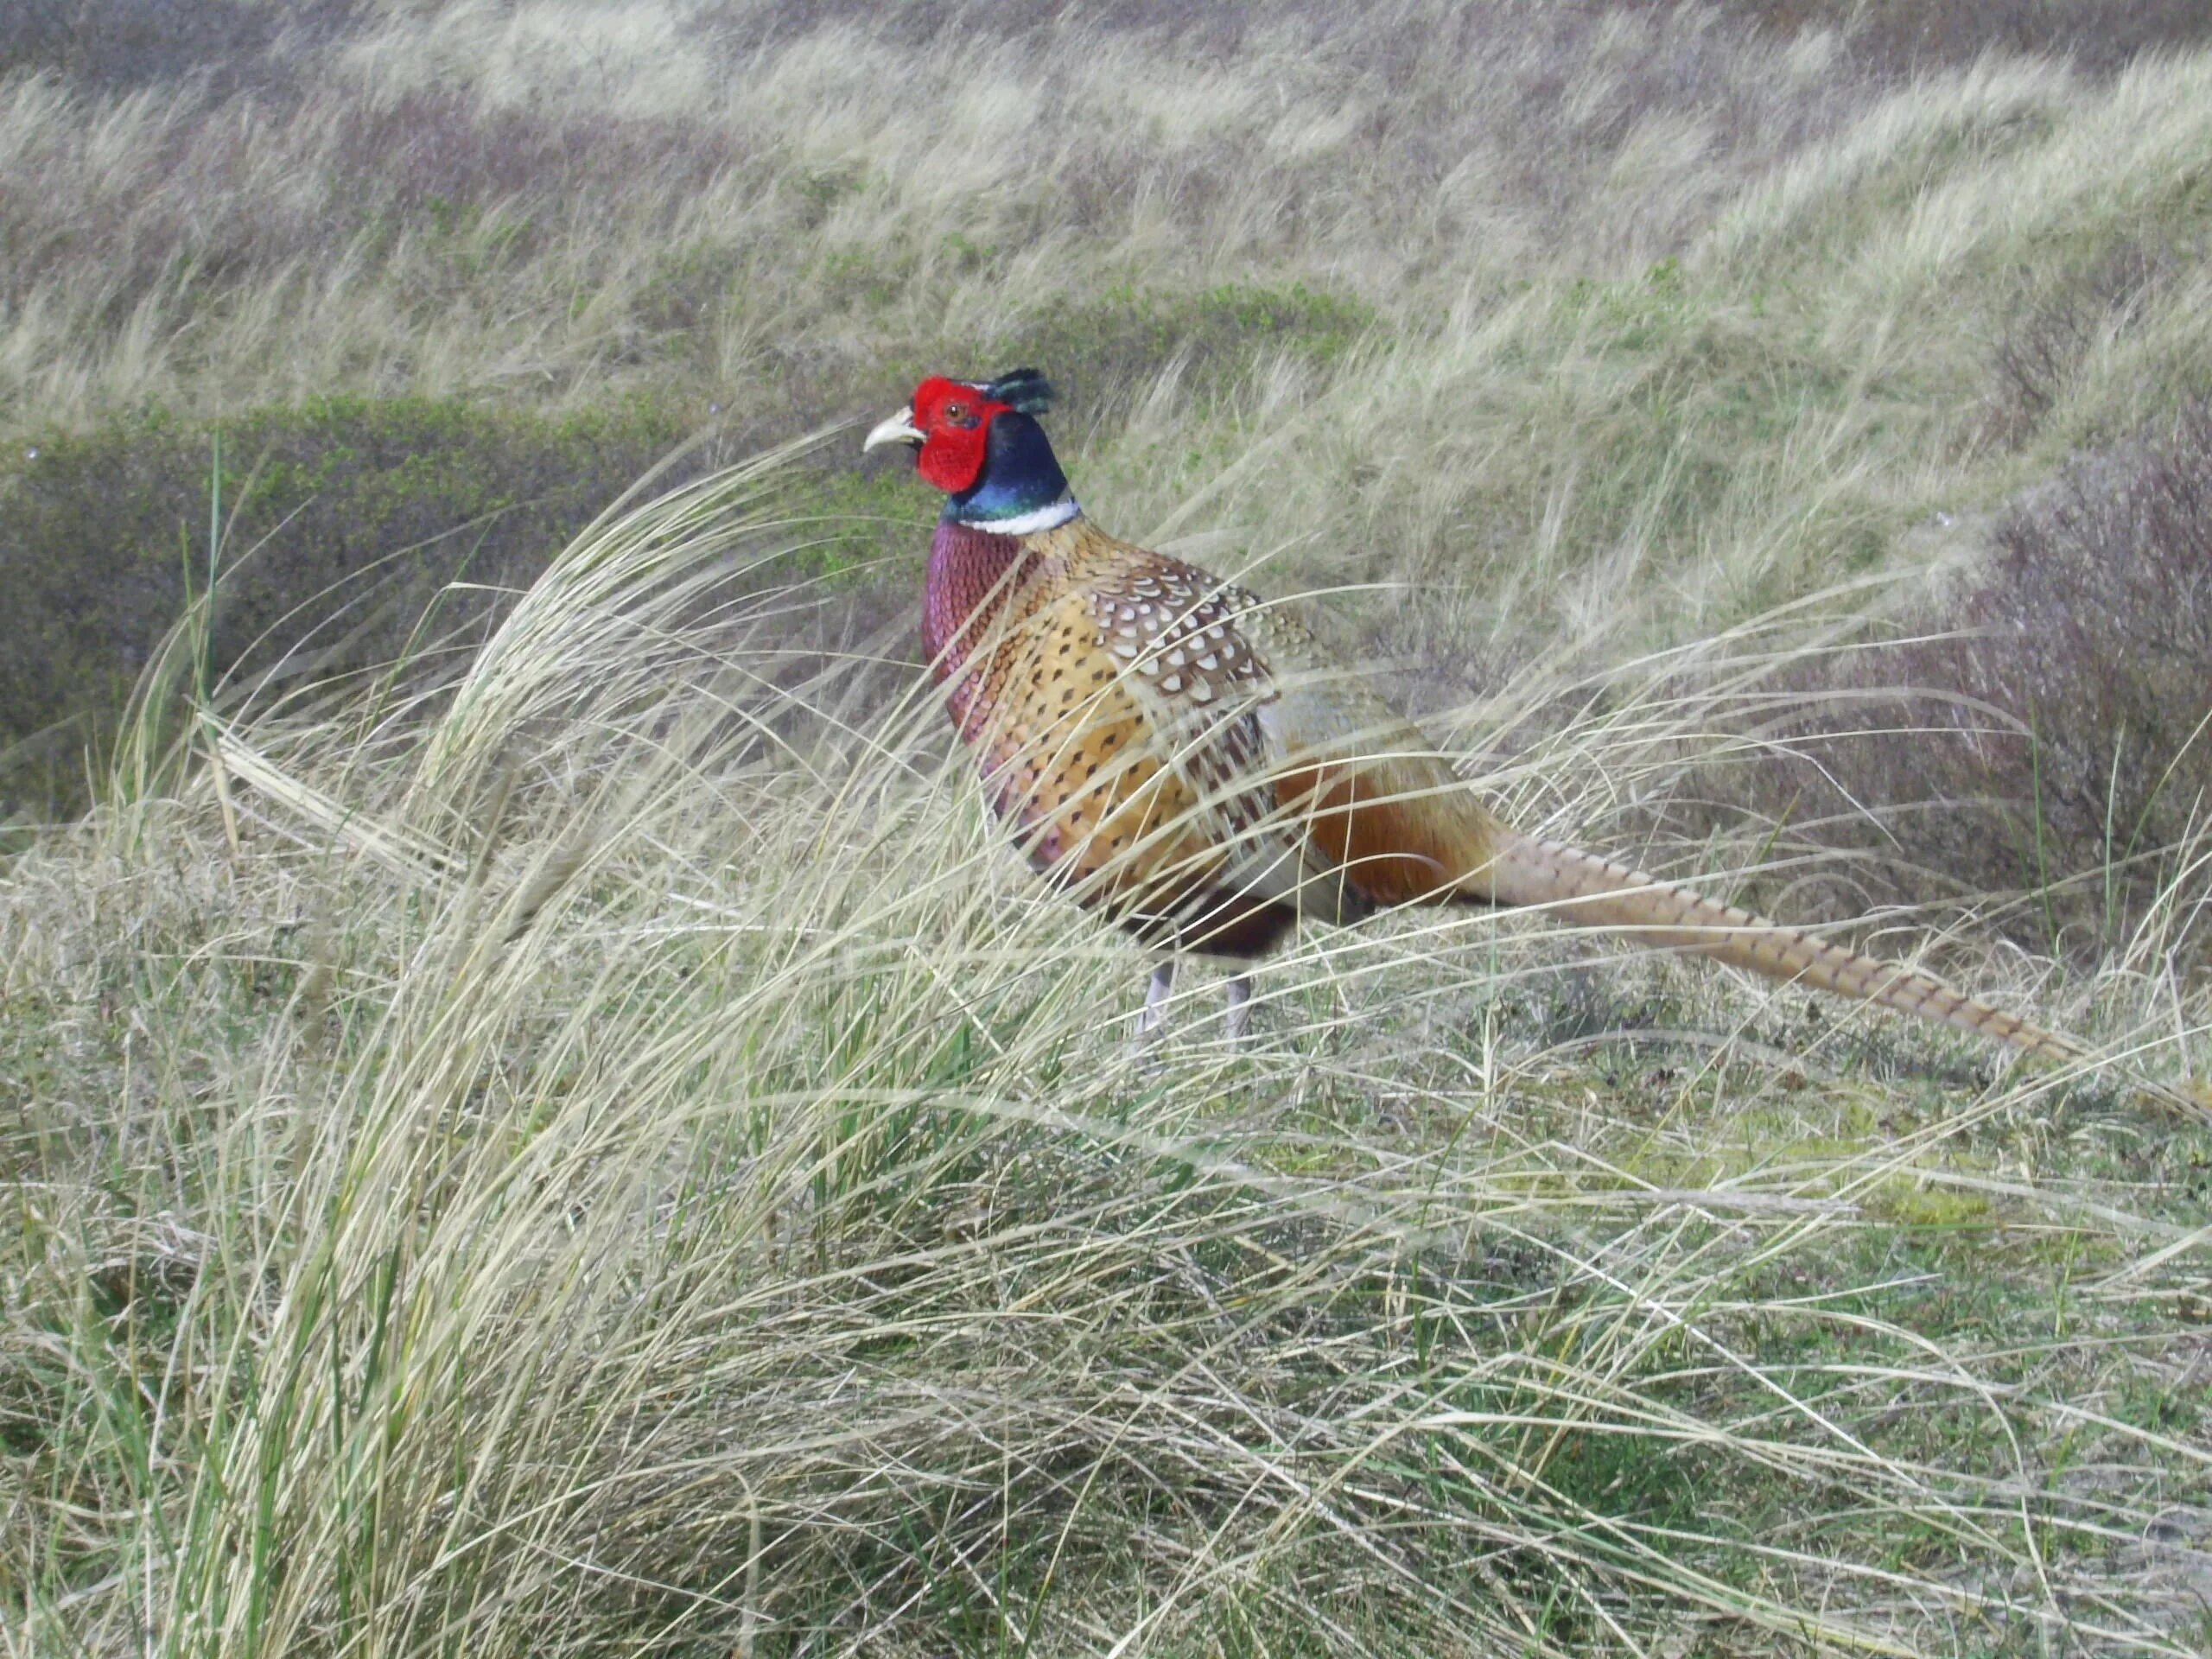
<point>1186,757</point>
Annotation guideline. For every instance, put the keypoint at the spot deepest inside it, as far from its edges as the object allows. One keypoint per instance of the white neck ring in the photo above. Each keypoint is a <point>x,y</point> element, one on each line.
<point>1028,523</point>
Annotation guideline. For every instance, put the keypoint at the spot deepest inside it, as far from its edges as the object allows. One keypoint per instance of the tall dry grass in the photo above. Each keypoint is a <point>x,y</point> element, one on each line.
<point>1603,328</point>
<point>612,1153</point>
<point>550,202</point>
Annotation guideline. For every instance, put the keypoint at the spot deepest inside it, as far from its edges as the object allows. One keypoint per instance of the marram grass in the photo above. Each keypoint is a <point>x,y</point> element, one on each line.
<point>602,1150</point>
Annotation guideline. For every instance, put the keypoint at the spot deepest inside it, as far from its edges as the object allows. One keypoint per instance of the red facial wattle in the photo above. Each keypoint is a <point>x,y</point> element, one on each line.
<point>955,421</point>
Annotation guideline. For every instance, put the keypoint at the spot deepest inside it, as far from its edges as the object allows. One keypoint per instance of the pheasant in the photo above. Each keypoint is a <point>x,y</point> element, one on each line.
<point>1187,759</point>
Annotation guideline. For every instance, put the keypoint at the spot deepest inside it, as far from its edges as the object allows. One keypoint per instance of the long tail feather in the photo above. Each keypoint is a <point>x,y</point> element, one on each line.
<point>1579,887</point>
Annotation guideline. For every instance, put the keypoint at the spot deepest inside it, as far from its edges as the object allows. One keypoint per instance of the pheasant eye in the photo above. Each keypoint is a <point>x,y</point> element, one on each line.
<point>959,415</point>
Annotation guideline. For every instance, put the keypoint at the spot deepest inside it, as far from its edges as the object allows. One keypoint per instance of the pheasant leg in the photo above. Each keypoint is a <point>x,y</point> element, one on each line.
<point>1153,1017</point>
<point>1240,1008</point>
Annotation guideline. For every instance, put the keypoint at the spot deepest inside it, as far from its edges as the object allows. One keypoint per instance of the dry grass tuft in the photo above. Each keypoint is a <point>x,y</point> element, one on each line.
<point>609,1153</point>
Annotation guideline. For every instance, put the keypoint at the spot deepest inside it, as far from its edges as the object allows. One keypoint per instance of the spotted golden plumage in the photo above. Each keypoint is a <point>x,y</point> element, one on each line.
<point>1186,759</point>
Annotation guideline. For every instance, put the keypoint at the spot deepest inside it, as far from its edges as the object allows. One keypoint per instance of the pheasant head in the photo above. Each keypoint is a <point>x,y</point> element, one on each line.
<point>981,444</point>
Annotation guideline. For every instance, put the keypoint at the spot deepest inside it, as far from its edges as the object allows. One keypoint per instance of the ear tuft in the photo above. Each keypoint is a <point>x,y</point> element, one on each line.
<point>1026,389</point>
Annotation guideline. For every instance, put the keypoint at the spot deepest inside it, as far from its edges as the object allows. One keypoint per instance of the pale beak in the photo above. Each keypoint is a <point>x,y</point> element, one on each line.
<point>899,428</point>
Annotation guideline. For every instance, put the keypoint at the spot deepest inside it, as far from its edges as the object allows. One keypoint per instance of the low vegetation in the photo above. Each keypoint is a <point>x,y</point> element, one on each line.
<point>541,1118</point>
<point>2060,733</point>
<point>350,521</point>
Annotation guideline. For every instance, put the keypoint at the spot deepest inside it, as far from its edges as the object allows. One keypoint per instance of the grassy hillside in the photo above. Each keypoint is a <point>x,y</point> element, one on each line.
<point>1581,332</point>
<point>544,1119</point>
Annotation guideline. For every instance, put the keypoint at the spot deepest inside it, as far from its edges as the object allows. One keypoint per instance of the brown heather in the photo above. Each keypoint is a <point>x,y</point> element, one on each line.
<point>2048,732</point>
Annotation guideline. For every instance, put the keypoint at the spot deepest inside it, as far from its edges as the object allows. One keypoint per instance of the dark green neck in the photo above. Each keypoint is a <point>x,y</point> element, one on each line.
<point>1022,487</point>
